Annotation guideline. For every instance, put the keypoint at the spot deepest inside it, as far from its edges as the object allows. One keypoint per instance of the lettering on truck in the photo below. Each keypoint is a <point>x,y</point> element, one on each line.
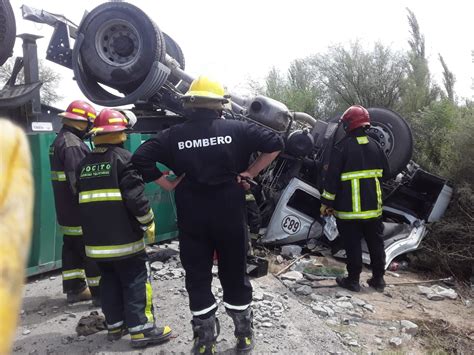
<point>204,142</point>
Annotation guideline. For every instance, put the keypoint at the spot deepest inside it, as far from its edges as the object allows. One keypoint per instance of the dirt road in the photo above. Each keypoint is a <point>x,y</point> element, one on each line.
<point>285,325</point>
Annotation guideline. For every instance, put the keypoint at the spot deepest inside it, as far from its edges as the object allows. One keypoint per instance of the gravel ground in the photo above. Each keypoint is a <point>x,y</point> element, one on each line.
<point>283,323</point>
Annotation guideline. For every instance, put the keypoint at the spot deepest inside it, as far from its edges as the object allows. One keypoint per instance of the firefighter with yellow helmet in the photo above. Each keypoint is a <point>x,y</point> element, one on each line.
<point>116,217</point>
<point>213,156</point>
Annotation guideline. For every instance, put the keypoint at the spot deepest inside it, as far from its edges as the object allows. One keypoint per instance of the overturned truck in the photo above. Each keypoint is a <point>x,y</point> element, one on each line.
<point>120,57</point>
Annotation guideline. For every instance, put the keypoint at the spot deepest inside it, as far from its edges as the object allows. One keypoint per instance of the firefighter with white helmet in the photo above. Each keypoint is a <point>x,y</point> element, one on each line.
<point>352,192</point>
<point>116,217</point>
<point>213,155</point>
<point>65,153</point>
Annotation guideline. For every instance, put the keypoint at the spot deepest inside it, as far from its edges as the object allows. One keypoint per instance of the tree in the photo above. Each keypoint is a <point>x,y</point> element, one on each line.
<point>448,79</point>
<point>50,79</point>
<point>419,91</point>
<point>355,76</point>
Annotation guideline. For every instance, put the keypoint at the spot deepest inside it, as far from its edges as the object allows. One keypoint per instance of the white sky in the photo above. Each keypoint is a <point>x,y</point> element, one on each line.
<point>233,41</point>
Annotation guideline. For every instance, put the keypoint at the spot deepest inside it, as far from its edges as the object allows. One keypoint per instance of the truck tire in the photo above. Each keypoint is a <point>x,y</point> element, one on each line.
<point>174,51</point>
<point>392,132</point>
<point>394,135</point>
<point>120,45</point>
<point>7,30</point>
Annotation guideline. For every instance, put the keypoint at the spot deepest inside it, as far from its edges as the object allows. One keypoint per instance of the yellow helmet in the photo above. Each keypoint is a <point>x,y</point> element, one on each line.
<point>207,90</point>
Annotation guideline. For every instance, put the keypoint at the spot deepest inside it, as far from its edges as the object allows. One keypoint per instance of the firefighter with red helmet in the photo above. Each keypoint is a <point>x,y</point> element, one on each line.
<point>352,192</point>
<point>116,217</point>
<point>65,153</point>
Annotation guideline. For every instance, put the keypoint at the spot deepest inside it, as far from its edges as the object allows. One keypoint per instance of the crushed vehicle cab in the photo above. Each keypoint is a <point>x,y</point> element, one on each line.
<point>120,57</point>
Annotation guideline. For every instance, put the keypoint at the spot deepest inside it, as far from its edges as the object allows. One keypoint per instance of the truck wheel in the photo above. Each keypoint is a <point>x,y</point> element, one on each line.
<point>174,51</point>
<point>120,45</point>
<point>7,30</point>
<point>392,132</point>
<point>394,135</point>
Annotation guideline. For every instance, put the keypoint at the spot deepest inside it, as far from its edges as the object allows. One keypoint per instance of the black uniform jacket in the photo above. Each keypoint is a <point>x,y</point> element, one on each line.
<point>114,209</point>
<point>208,149</point>
<point>65,154</point>
<point>352,182</point>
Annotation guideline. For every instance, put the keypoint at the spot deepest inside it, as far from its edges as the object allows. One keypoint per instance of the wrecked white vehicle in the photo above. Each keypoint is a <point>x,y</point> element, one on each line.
<point>117,46</point>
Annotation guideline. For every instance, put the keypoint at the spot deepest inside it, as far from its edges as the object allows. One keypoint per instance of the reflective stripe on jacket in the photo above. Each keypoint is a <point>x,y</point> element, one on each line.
<point>352,182</point>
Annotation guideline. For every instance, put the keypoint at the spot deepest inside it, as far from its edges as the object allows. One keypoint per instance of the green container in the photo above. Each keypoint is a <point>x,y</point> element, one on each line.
<point>46,245</point>
<point>45,252</point>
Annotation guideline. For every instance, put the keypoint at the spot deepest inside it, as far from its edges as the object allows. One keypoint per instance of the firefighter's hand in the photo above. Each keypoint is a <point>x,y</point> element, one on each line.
<point>241,180</point>
<point>326,211</point>
<point>168,185</point>
<point>150,233</point>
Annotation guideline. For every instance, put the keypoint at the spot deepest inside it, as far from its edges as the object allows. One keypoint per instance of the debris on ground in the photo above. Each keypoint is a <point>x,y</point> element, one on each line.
<point>91,324</point>
<point>437,292</point>
<point>291,251</point>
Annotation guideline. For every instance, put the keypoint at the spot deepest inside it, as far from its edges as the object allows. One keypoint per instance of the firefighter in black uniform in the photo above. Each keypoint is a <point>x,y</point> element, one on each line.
<point>211,152</point>
<point>353,194</point>
<point>65,154</point>
<point>116,216</point>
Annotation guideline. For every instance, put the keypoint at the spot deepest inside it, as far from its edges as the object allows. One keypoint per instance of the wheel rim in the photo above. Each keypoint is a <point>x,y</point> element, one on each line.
<point>384,136</point>
<point>118,42</point>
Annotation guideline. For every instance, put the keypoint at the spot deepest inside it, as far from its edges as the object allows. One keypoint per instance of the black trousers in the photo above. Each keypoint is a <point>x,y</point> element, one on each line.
<point>77,267</point>
<point>126,293</point>
<point>254,217</point>
<point>213,219</point>
<point>352,233</point>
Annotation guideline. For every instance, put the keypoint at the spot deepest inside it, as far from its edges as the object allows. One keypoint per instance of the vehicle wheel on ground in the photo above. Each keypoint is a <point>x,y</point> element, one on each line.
<point>174,51</point>
<point>7,30</point>
<point>393,134</point>
<point>120,45</point>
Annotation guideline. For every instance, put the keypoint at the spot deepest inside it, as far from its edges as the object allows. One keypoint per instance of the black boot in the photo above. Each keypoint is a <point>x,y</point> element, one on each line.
<point>348,283</point>
<point>114,334</point>
<point>150,336</point>
<point>243,322</point>
<point>206,332</point>
<point>377,282</point>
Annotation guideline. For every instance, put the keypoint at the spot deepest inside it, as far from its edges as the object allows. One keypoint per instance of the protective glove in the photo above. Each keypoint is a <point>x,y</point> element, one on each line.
<point>326,210</point>
<point>150,233</point>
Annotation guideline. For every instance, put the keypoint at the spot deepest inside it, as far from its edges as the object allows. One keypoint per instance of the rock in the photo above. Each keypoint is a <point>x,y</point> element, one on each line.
<point>396,341</point>
<point>22,312</point>
<point>332,322</point>
<point>258,296</point>
<point>26,332</point>
<point>408,327</point>
<point>378,341</point>
<point>292,276</point>
<point>316,297</point>
<point>291,251</point>
<point>67,340</point>
<point>353,342</point>
<point>320,311</point>
<point>52,278</point>
<point>345,304</point>
<point>340,294</point>
<point>437,292</point>
<point>267,325</point>
<point>330,311</point>
<point>409,305</point>
<point>392,328</point>
<point>81,338</point>
<point>268,296</point>
<point>157,265</point>
<point>358,302</point>
<point>369,307</point>
<point>304,290</point>
<point>387,294</point>
<point>279,259</point>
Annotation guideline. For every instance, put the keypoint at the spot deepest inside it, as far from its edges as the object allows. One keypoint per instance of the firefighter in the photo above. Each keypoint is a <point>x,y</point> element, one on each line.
<point>65,154</point>
<point>116,216</point>
<point>352,192</point>
<point>213,154</point>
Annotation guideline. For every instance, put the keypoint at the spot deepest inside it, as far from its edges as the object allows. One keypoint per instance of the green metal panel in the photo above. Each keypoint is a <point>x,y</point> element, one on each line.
<point>45,251</point>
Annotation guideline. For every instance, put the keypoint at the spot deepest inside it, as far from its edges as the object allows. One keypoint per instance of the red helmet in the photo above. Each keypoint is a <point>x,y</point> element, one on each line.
<point>80,111</point>
<point>355,116</point>
<point>109,121</point>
